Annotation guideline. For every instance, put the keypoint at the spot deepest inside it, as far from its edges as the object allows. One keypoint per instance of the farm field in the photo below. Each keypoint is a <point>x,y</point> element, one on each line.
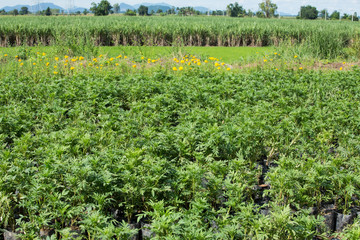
<point>179,142</point>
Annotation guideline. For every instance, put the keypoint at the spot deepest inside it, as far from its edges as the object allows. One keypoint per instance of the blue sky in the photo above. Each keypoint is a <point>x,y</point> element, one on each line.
<point>288,6</point>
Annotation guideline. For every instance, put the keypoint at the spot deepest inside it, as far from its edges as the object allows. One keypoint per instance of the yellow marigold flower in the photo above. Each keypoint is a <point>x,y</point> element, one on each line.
<point>65,64</point>
<point>56,59</point>
<point>47,64</point>
<point>100,56</point>
<point>344,62</point>
<point>111,59</point>
<point>81,58</point>
<point>142,58</point>
<point>181,68</point>
<point>34,64</point>
<point>44,54</point>
<point>276,69</point>
<point>16,56</point>
<point>295,56</point>
<point>19,60</point>
<point>222,64</point>
<point>55,66</point>
<point>125,57</point>
<point>301,68</point>
<point>175,59</point>
<point>66,56</point>
<point>55,72</point>
<point>72,68</point>
<point>265,60</point>
<point>341,69</point>
<point>21,64</point>
<point>199,63</point>
<point>174,69</point>
<point>219,68</point>
<point>217,64</point>
<point>270,60</point>
<point>134,66</point>
<point>228,69</point>
<point>275,53</point>
<point>5,55</point>
<point>66,61</point>
<point>116,64</point>
<point>206,61</point>
<point>94,60</point>
<point>153,61</point>
<point>182,61</point>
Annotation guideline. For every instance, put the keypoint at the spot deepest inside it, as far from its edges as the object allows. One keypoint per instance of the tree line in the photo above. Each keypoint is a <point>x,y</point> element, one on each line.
<point>267,9</point>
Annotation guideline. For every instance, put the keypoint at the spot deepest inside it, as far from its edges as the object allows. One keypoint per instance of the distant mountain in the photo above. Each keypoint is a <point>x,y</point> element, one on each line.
<point>34,8</point>
<point>286,14</point>
<point>124,7</point>
<point>201,9</point>
<point>152,4</point>
<point>155,8</point>
<point>42,6</point>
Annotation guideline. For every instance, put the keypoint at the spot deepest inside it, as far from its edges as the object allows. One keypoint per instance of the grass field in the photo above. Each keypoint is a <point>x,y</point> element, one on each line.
<point>157,142</point>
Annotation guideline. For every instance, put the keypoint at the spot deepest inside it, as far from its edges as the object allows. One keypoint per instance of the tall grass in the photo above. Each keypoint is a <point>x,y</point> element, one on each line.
<point>323,38</point>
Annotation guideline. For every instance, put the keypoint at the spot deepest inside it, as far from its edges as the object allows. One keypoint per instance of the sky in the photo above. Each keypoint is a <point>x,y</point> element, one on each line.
<point>286,6</point>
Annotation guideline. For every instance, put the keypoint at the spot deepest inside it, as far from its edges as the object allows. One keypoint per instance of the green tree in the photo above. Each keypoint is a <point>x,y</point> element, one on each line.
<point>24,11</point>
<point>335,15</point>
<point>85,12</point>
<point>260,14</point>
<point>143,10</point>
<point>130,13</point>
<point>308,12</point>
<point>355,17</point>
<point>101,9</point>
<point>268,8</point>
<point>117,8</point>
<point>48,12</point>
<point>235,10</point>
<point>324,13</point>
<point>15,12</point>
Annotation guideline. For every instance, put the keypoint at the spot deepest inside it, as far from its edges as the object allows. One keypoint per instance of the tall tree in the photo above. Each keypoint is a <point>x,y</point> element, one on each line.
<point>308,12</point>
<point>143,10</point>
<point>24,11</point>
<point>324,13</point>
<point>15,12</point>
<point>235,10</point>
<point>117,8</point>
<point>48,12</point>
<point>335,15</point>
<point>101,9</point>
<point>269,8</point>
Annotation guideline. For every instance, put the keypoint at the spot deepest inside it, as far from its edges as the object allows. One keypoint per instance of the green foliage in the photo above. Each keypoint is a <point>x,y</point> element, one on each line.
<point>184,153</point>
<point>325,39</point>
<point>101,9</point>
<point>335,15</point>
<point>268,8</point>
<point>308,12</point>
<point>143,10</point>
<point>24,11</point>
<point>235,10</point>
<point>48,12</point>
<point>130,13</point>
